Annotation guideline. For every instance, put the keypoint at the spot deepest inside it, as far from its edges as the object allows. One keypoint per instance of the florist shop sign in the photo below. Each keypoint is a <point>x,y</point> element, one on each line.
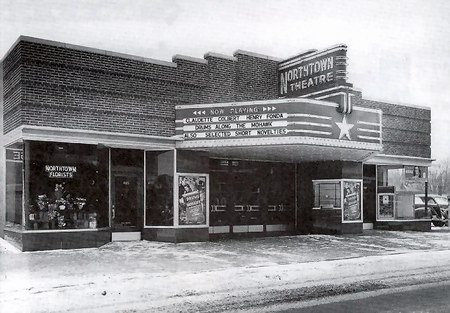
<point>60,171</point>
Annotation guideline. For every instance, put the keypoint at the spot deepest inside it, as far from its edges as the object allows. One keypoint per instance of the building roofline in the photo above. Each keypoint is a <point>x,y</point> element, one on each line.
<point>188,58</point>
<point>219,55</point>
<point>256,55</point>
<point>415,106</point>
<point>87,49</point>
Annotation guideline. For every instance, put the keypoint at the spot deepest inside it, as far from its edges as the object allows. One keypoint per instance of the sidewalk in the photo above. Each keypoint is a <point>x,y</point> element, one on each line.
<point>239,273</point>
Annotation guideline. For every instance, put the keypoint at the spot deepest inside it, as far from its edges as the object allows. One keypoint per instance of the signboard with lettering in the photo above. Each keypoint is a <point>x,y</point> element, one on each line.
<point>60,171</point>
<point>14,155</point>
<point>277,118</point>
<point>312,72</point>
<point>192,199</point>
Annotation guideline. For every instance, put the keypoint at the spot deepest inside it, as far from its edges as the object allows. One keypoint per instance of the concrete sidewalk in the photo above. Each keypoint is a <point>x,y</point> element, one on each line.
<point>180,277</point>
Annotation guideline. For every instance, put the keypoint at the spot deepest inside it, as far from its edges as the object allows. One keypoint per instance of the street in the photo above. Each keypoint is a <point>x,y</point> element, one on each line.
<point>246,275</point>
<point>420,298</point>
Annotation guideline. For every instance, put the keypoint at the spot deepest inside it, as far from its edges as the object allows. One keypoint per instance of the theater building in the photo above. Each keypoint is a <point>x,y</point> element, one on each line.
<point>100,146</point>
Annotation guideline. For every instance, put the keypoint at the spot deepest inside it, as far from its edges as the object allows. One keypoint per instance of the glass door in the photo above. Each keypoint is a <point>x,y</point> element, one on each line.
<point>125,202</point>
<point>127,190</point>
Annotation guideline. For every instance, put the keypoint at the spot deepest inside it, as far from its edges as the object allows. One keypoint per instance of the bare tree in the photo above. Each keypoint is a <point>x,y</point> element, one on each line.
<point>439,177</point>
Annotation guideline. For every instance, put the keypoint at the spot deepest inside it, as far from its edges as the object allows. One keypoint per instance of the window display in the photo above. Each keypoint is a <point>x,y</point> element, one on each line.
<point>14,184</point>
<point>64,186</point>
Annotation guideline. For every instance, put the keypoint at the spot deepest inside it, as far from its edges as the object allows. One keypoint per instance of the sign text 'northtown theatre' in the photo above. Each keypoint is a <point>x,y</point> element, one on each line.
<point>312,72</point>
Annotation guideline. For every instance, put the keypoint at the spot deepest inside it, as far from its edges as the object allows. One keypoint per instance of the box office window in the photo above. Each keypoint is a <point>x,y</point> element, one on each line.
<point>14,183</point>
<point>159,188</point>
<point>327,195</point>
<point>66,186</point>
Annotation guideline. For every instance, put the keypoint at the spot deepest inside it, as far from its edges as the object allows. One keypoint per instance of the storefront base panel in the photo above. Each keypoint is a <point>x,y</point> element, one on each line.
<point>37,241</point>
<point>329,222</point>
<point>418,225</point>
<point>175,234</point>
<point>214,237</point>
<point>249,231</point>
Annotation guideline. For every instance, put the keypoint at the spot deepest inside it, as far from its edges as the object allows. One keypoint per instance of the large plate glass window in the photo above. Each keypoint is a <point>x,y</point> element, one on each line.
<point>14,184</point>
<point>401,192</point>
<point>66,186</point>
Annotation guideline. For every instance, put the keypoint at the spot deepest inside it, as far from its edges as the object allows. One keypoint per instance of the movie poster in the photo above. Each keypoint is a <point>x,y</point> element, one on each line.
<point>192,199</point>
<point>352,201</point>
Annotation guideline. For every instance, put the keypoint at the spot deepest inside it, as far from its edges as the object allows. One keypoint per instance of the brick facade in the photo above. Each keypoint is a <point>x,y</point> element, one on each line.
<point>406,130</point>
<point>60,85</point>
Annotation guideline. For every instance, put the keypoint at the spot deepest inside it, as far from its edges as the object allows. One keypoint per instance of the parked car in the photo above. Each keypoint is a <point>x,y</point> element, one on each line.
<point>437,208</point>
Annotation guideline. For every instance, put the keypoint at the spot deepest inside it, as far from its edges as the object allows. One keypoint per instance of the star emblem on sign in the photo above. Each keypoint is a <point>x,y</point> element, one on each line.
<point>344,127</point>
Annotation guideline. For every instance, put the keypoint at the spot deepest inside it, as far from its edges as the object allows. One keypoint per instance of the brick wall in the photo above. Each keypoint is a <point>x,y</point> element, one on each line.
<point>406,130</point>
<point>58,86</point>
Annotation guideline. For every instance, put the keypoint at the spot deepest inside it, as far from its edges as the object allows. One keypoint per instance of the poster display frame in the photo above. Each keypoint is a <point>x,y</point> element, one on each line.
<point>384,218</point>
<point>361,204</point>
<point>176,201</point>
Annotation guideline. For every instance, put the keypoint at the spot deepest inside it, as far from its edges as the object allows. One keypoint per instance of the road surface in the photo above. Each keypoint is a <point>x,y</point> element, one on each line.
<point>433,297</point>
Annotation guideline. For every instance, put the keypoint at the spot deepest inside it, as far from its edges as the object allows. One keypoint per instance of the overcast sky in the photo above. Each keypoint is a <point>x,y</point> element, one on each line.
<point>399,51</point>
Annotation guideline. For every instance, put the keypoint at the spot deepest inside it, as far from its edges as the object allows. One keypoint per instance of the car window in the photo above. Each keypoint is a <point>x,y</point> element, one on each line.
<point>430,200</point>
<point>441,201</point>
<point>419,201</point>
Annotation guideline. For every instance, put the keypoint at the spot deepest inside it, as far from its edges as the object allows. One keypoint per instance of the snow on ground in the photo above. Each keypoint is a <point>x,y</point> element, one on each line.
<point>176,277</point>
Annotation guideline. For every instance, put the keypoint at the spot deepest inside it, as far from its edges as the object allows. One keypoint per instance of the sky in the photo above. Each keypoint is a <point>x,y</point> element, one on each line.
<point>399,51</point>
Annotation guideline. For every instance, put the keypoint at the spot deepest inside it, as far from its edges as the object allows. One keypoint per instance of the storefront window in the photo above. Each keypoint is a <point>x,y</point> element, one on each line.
<point>159,188</point>
<point>65,186</point>
<point>399,190</point>
<point>14,183</point>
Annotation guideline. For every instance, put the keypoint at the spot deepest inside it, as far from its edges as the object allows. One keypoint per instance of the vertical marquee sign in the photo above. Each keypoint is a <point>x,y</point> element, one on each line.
<point>313,71</point>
